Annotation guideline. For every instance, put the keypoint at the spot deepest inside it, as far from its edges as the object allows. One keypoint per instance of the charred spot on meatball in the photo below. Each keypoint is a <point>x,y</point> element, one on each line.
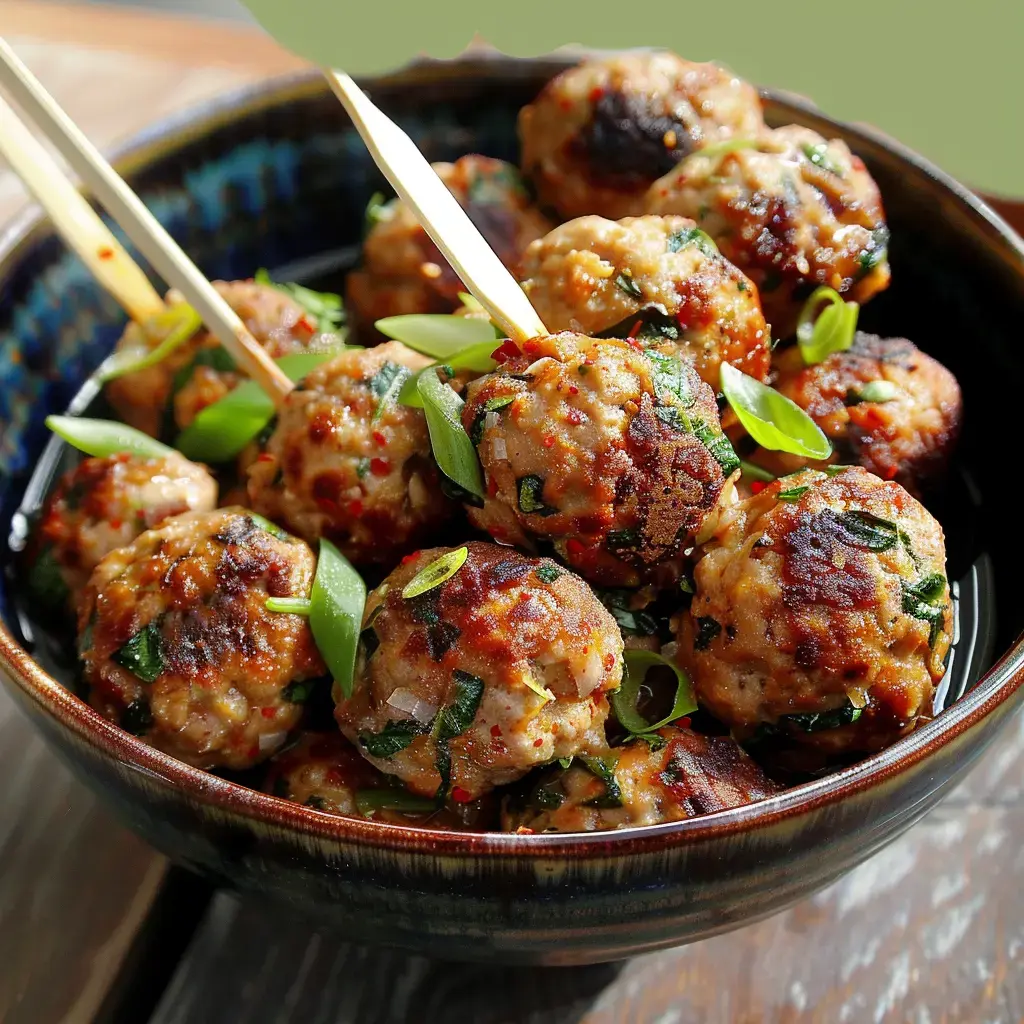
<point>504,665</point>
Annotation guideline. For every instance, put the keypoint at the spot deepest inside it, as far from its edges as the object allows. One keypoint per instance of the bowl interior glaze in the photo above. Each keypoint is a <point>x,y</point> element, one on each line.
<point>276,177</point>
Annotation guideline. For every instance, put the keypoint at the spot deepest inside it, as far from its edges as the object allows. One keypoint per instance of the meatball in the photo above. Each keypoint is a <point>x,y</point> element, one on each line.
<point>105,503</point>
<point>882,403</point>
<point>612,454</point>
<point>346,461</point>
<point>178,646</point>
<point>599,134</point>
<point>681,775</point>
<point>821,611</point>
<point>793,213</point>
<point>502,667</point>
<point>199,372</point>
<point>404,272</point>
<point>659,279</point>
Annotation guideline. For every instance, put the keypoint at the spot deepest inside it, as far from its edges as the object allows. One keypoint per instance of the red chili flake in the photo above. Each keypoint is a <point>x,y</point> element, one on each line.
<point>379,438</point>
<point>609,662</point>
<point>538,743</point>
<point>264,457</point>
<point>355,508</point>
<point>380,467</point>
<point>495,731</point>
<point>757,486</point>
<point>638,345</point>
<point>549,441</point>
<point>106,253</point>
<point>565,103</point>
<point>596,93</point>
<point>891,472</point>
<point>410,558</point>
<point>267,712</point>
<point>573,390</point>
<point>575,417</point>
<point>684,723</point>
<point>492,488</point>
<point>636,328</point>
<point>574,548</point>
<point>506,350</point>
<point>460,795</point>
<point>530,346</point>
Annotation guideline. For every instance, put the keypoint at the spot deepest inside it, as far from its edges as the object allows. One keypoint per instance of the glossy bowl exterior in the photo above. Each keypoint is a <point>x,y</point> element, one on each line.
<point>275,174</point>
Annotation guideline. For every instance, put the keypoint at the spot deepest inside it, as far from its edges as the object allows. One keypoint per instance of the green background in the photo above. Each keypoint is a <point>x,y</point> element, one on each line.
<point>946,79</point>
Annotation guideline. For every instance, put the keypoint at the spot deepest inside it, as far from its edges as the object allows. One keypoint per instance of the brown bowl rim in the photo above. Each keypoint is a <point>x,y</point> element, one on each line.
<point>992,690</point>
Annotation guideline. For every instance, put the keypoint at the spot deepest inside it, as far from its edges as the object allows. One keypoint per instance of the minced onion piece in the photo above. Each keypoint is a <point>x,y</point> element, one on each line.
<point>269,741</point>
<point>636,665</point>
<point>434,574</point>
<point>771,419</point>
<point>101,438</point>
<point>819,334</point>
<point>405,700</point>
<point>499,449</point>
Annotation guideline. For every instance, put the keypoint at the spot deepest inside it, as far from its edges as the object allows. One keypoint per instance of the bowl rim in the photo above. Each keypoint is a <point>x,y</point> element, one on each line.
<point>994,688</point>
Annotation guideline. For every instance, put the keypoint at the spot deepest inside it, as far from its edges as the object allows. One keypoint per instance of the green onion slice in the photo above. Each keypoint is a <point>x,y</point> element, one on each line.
<point>752,472</point>
<point>476,358</point>
<point>336,606</point>
<point>370,800</point>
<point>325,308</point>
<point>225,427</point>
<point>720,149</point>
<point>433,575</point>
<point>106,437</point>
<point>452,447</point>
<point>181,320</point>
<point>636,665</point>
<point>827,324</point>
<point>771,419</point>
<point>438,335</point>
<point>289,605</point>
<point>877,391</point>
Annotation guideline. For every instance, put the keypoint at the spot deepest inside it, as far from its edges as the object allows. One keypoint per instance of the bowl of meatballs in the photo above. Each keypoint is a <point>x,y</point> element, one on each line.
<point>546,651</point>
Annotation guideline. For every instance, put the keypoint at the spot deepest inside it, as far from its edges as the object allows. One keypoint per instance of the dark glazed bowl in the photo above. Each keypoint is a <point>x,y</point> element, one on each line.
<point>274,175</point>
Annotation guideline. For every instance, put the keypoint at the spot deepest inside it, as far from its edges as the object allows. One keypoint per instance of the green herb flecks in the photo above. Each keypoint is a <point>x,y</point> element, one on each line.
<point>868,531</point>
<point>137,718</point>
<point>693,236</point>
<point>625,281</point>
<point>603,768</point>
<point>822,720</point>
<point>707,629</point>
<point>548,573</point>
<point>926,600</point>
<point>876,254</point>
<point>793,493</point>
<point>819,155</point>
<point>142,655</point>
<point>369,801</point>
<point>387,384</point>
<point>326,308</point>
<point>452,721</point>
<point>531,502</point>
<point>632,621</point>
<point>392,739</point>
<point>46,585</point>
<point>299,692</point>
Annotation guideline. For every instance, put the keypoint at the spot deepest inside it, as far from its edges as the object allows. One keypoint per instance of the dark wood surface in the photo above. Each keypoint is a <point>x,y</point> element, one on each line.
<point>93,928</point>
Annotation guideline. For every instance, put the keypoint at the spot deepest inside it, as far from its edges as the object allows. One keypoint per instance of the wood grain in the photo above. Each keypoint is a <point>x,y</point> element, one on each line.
<point>75,887</point>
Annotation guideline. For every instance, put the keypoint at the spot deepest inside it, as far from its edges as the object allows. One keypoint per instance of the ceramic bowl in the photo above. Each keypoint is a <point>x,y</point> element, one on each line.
<point>274,175</point>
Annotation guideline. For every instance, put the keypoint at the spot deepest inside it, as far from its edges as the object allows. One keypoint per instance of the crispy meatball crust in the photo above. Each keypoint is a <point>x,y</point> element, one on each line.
<point>105,503</point>
<point>908,438</point>
<point>599,134</point>
<point>592,275</point>
<point>796,212</point>
<point>404,272</point>
<point>347,462</point>
<point>527,638</point>
<point>194,376</point>
<point>178,646</point>
<point>831,603</point>
<point>601,449</point>
<point>684,776</point>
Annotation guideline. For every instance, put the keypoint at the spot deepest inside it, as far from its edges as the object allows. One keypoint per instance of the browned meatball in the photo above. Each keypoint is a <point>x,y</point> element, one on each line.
<point>105,503</point>
<point>883,403</point>
<point>593,275</point>
<point>793,212</point>
<point>503,666</point>
<point>177,644</point>
<point>821,610</point>
<point>200,372</point>
<point>346,461</point>
<point>681,775</point>
<point>324,771</point>
<point>599,134</point>
<point>613,454</point>
<point>404,272</point>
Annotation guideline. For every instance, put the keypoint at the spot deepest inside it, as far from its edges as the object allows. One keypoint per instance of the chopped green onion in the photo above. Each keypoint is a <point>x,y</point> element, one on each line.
<point>818,721</point>
<point>875,391</point>
<point>378,209</point>
<point>101,438</point>
<point>471,303</point>
<point>820,334</point>
<point>636,665</point>
<point>387,385</point>
<point>693,236</point>
<point>625,281</point>
<point>183,321</point>
<point>771,419</point>
<point>336,614</point>
<point>226,426</point>
<point>793,493</point>
<point>603,768</point>
<point>818,155</point>
<point>868,531</point>
<point>451,445</point>
<point>289,605</point>
<point>392,739</point>
<point>434,574</point>
<point>325,307</point>
<point>476,358</point>
<point>926,600</point>
<point>142,655</point>
<point>752,472</point>
<point>438,335</point>
<point>453,720</point>
<point>720,149</point>
<point>370,800</point>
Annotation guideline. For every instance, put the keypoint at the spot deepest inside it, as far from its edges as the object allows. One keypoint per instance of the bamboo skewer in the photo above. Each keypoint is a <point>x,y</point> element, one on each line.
<point>439,213</point>
<point>76,221</point>
<point>140,225</point>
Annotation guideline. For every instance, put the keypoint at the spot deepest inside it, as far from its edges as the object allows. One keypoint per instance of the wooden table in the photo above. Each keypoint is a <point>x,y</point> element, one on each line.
<point>94,926</point>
